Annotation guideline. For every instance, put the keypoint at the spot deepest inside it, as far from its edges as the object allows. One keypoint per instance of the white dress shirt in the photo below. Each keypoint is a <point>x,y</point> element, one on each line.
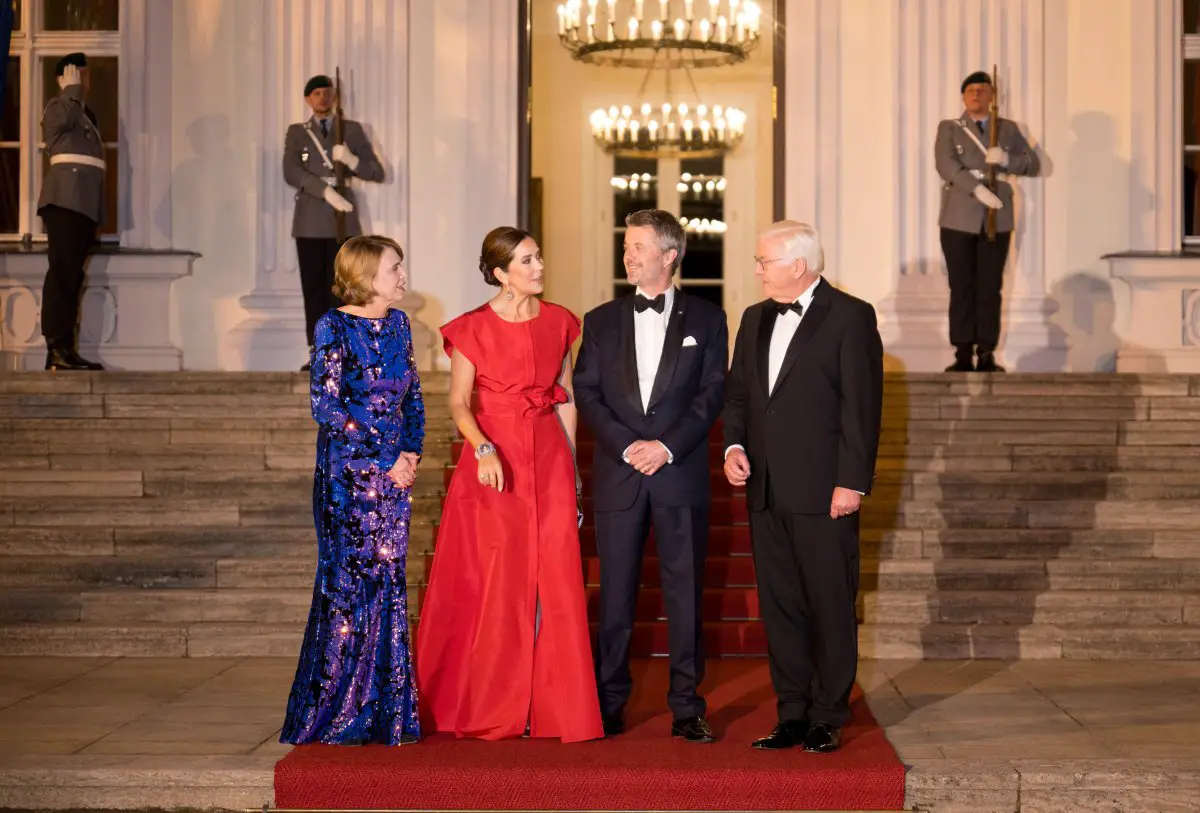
<point>785,328</point>
<point>649,338</point>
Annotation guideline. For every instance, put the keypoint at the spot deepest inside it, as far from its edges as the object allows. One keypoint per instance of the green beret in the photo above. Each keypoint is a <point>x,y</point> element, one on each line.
<point>977,78</point>
<point>317,82</point>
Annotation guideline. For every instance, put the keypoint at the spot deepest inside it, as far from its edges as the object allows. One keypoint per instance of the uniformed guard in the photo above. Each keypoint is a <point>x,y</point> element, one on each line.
<point>975,261</point>
<point>310,152</point>
<point>71,206</point>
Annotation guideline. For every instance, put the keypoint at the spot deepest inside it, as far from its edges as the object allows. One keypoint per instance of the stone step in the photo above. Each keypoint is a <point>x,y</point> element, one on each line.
<point>1035,641</point>
<point>893,641</point>
<point>1089,608</point>
<point>180,383</point>
<point>1032,575</point>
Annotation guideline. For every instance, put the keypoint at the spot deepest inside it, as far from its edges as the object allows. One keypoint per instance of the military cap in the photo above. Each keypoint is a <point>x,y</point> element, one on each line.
<point>317,82</point>
<point>977,78</point>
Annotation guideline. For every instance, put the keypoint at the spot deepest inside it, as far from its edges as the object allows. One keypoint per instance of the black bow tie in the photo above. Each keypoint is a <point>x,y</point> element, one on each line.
<point>640,303</point>
<point>783,307</point>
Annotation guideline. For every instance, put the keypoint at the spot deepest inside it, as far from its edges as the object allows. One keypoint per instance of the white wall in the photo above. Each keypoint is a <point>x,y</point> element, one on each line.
<point>435,86</point>
<point>868,81</point>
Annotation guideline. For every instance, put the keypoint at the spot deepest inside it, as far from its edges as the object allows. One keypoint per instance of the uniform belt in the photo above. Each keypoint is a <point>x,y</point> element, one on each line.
<point>76,158</point>
<point>1000,176</point>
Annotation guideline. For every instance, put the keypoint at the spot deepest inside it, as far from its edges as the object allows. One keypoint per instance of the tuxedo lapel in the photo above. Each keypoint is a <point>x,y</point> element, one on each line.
<point>627,355</point>
<point>818,309</point>
<point>762,358</point>
<point>672,345</point>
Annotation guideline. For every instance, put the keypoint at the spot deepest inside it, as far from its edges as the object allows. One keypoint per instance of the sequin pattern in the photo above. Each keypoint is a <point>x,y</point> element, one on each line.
<point>354,683</point>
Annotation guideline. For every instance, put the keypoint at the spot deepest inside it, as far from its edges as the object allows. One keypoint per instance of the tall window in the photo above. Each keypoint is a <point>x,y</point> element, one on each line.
<point>697,195</point>
<point>44,31</point>
<point>1191,121</point>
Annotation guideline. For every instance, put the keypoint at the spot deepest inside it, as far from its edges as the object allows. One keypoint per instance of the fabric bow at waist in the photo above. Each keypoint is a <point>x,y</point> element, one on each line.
<point>520,404</point>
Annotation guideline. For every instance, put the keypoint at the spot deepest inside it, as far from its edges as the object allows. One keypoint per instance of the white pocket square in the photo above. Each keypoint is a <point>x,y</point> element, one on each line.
<point>688,341</point>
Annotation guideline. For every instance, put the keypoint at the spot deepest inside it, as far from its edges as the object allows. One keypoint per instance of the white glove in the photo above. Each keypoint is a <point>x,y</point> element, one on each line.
<point>70,77</point>
<point>337,201</point>
<point>988,198</point>
<point>997,155</point>
<point>342,154</point>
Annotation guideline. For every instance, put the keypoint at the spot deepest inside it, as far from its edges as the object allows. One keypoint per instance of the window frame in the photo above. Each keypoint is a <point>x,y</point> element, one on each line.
<point>31,44</point>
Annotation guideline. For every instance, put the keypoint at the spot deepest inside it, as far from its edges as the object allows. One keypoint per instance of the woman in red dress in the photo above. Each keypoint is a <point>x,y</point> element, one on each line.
<point>503,646</point>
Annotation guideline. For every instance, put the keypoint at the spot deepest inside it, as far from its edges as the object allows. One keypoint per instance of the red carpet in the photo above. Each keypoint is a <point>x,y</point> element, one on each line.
<point>642,770</point>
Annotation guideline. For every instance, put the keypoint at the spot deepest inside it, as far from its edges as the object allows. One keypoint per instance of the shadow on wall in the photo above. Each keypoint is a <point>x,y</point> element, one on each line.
<point>220,230</point>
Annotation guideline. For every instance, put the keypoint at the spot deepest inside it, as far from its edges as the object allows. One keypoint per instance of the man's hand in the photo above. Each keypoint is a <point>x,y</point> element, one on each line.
<point>71,76</point>
<point>997,155</point>
<point>737,467</point>
<point>988,198</point>
<point>647,456</point>
<point>342,154</point>
<point>337,201</point>
<point>845,502</point>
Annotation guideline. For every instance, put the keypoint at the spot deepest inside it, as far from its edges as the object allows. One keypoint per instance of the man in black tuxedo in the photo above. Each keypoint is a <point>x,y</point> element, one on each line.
<point>802,414</point>
<point>649,382</point>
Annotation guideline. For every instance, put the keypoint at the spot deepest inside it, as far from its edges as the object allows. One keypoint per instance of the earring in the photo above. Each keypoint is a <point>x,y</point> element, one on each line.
<point>507,292</point>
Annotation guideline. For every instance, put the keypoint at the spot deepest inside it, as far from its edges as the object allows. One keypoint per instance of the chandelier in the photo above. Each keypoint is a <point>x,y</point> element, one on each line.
<point>668,131</point>
<point>634,33</point>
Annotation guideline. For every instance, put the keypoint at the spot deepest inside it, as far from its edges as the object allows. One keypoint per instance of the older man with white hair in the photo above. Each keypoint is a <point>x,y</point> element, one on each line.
<point>802,414</point>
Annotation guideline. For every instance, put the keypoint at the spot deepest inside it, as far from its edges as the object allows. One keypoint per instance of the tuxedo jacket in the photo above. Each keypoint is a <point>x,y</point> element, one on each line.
<point>819,427</point>
<point>684,404</point>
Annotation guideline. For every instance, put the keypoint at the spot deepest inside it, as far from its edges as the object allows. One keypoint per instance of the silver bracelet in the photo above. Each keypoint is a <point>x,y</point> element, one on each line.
<point>483,450</point>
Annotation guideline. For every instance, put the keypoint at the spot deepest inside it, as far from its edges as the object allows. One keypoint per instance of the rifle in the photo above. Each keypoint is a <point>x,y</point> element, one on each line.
<point>994,136</point>
<point>339,169</point>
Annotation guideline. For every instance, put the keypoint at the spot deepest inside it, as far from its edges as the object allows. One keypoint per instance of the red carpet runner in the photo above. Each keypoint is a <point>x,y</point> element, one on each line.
<point>642,770</point>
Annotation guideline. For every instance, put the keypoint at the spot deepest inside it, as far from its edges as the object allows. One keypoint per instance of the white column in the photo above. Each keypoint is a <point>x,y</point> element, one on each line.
<point>367,39</point>
<point>939,43</point>
<point>462,181</point>
<point>812,120</point>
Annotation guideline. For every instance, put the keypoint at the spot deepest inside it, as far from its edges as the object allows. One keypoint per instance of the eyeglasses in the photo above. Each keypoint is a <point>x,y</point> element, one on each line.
<point>763,262</point>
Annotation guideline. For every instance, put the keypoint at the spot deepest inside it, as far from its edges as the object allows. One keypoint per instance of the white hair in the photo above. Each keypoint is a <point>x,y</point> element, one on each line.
<point>800,241</point>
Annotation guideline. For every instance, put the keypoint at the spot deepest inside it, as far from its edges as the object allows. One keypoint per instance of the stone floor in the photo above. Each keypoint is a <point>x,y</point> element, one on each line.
<point>977,735</point>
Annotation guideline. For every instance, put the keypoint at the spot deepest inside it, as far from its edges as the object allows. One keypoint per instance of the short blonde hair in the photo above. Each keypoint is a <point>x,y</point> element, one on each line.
<point>356,265</point>
<point>800,241</point>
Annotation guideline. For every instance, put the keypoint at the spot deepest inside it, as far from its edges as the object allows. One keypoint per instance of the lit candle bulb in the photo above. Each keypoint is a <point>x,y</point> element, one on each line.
<point>696,187</point>
<point>662,6</point>
<point>740,28</point>
<point>720,129</point>
<point>681,188</point>
<point>562,21</point>
<point>637,9</point>
<point>591,28</point>
<point>722,25</point>
<point>687,129</point>
<point>733,8</point>
<point>678,29</point>
<point>712,11</point>
<point>656,29</point>
<point>633,28</point>
<point>705,30</point>
<point>705,130</point>
<point>652,128</point>
<point>670,131</point>
<point>687,9</point>
<point>612,15</point>
<point>633,130</point>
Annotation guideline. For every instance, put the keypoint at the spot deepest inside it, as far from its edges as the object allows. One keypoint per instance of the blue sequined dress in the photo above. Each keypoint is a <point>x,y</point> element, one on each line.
<point>354,683</point>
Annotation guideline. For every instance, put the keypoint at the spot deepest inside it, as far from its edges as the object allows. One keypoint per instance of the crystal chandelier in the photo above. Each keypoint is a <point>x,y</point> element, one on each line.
<point>677,33</point>
<point>670,130</point>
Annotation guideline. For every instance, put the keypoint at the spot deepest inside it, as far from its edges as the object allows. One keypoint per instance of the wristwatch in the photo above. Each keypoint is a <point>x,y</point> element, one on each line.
<point>483,450</point>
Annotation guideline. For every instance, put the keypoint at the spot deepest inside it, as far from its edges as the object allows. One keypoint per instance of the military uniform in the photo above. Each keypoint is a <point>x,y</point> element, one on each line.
<point>71,205</point>
<point>309,167</point>
<point>974,264</point>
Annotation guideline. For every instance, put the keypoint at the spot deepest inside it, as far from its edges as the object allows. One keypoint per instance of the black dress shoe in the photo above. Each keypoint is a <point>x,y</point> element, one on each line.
<point>66,358</point>
<point>614,724</point>
<point>788,734</point>
<point>822,738</point>
<point>987,364</point>
<point>692,729</point>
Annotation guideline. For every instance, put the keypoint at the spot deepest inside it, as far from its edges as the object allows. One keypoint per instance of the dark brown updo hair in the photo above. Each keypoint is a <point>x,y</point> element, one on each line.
<point>498,249</point>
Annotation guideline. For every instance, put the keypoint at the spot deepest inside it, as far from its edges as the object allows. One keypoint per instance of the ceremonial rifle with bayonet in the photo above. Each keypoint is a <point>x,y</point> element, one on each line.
<point>339,169</point>
<point>993,141</point>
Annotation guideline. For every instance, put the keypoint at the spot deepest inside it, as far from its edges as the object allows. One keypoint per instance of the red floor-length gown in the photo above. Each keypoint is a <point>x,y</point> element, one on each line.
<point>481,669</point>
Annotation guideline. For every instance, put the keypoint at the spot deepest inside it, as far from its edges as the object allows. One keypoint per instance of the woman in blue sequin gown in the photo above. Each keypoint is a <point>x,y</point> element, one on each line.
<point>354,683</point>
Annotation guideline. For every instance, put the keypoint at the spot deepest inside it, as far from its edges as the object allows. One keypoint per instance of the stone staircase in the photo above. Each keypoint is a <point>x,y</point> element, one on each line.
<point>1014,516</point>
